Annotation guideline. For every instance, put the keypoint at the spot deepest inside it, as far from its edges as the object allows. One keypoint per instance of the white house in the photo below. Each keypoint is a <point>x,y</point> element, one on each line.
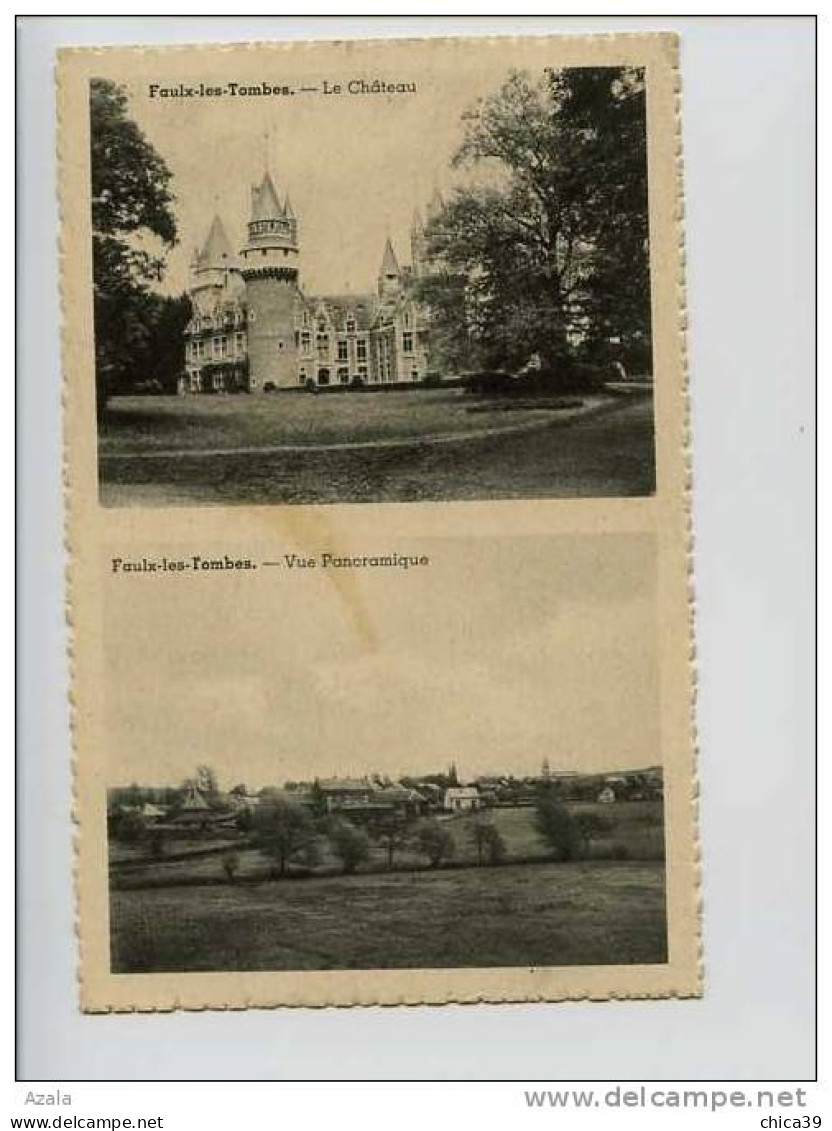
<point>461,799</point>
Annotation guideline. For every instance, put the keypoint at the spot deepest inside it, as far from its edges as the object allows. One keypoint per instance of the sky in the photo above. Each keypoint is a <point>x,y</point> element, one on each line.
<point>547,649</point>
<point>355,167</point>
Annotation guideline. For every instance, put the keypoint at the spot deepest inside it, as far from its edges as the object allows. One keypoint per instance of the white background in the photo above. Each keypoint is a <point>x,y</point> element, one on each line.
<point>748,99</point>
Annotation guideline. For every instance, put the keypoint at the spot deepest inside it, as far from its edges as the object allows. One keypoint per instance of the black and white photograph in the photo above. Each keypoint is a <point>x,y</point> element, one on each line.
<point>373,290</point>
<point>379,541</point>
<point>463,792</point>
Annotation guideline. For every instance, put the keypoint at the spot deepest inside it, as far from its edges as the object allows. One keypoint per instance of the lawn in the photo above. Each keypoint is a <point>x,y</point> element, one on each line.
<point>232,450</point>
<point>133,425</point>
<point>548,914</point>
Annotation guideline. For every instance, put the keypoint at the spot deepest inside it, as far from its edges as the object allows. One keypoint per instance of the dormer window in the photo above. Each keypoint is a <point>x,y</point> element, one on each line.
<point>350,325</point>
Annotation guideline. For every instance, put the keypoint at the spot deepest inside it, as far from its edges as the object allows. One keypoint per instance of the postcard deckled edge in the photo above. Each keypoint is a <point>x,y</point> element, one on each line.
<point>689,984</point>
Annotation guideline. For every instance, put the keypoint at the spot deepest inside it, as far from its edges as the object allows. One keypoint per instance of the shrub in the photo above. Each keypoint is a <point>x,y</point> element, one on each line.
<point>434,841</point>
<point>557,827</point>
<point>350,844</point>
<point>488,382</point>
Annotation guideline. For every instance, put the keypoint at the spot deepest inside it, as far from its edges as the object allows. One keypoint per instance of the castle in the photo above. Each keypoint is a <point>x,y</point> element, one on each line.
<point>254,328</point>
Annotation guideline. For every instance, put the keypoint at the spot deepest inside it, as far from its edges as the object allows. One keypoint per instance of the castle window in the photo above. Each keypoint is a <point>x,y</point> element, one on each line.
<point>414,374</point>
<point>239,341</point>
<point>350,325</point>
<point>302,376</point>
<point>362,372</point>
<point>361,349</point>
<point>344,375</point>
<point>305,340</point>
<point>343,353</point>
<point>407,341</point>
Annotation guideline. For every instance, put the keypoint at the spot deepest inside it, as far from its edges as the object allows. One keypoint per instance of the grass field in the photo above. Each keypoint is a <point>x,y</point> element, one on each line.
<point>233,450</point>
<point>140,424</point>
<point>516,915</point>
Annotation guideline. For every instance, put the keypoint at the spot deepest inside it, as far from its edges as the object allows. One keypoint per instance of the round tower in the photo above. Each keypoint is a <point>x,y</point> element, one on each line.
<point>269,266</point>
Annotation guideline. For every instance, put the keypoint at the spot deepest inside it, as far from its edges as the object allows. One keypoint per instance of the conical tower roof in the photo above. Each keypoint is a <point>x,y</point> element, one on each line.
<point>389,263</point>
<point>265,204</point>
<point>288,211</point>
<point>217,249</point>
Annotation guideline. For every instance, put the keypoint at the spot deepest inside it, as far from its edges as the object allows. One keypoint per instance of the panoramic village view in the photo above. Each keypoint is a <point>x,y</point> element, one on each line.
<point>559,868</point>
<point>496,344</point>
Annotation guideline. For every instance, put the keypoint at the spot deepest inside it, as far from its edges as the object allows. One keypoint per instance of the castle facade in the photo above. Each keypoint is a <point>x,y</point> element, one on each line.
<point>255,329</point>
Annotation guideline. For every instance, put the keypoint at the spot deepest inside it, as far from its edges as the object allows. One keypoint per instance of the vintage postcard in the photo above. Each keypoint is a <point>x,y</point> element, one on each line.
<point>379,597</point>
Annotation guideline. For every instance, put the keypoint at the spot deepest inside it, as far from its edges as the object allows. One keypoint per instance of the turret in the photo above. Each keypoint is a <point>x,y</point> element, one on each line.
<point>270,270</point>
<point>210,265</point>
<point>389,274</point>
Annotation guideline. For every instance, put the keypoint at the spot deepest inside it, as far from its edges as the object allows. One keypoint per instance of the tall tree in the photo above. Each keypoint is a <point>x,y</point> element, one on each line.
<point>131,205</point>
<point>550,249</point>
<point>284,830</point>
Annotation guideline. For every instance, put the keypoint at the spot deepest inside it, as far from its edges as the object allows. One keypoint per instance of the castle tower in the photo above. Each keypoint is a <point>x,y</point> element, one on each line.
<point>210,266</point>
<point>389,275</point>
<point>270,269</point>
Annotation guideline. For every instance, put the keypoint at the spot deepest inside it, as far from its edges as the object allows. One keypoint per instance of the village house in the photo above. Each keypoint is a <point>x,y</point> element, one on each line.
<point>461,799</point>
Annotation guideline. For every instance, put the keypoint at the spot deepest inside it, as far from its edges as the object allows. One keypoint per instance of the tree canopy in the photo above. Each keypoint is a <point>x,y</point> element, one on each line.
<point>131,208</point>
<point>548,251</point>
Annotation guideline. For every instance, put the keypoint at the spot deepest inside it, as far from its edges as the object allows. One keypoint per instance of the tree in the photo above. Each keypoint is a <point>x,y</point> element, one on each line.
<point>284,830</point>
<point>488,842</point>
<point>350,844</point>
<point>393,834</point>
<point>557,826</point>
<point>131,827</point>
<point>131,207</point>
<point>434,841</point>
<point>590,827</point>
<point>553,250</point>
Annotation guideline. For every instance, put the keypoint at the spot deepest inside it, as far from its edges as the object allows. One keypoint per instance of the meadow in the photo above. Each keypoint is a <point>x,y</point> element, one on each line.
<point>133,425</point>
<point>180,911</point>
<point>546,914</point>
